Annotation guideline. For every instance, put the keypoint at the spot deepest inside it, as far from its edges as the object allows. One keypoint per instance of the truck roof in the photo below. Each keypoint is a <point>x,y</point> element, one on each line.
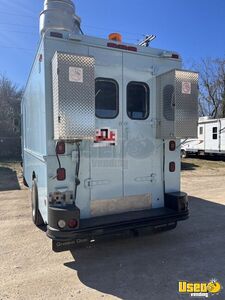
<point>118,46</point>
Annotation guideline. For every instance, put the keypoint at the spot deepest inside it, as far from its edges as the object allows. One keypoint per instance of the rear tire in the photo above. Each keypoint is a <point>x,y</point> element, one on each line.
<point>36,216</point>
<point>25,182</point>
<point>183,154</point>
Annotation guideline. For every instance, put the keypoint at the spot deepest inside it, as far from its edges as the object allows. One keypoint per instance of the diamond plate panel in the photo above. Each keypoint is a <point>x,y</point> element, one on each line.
<point>73,96</point>
<point>186,104</point>
<point>177,111</point>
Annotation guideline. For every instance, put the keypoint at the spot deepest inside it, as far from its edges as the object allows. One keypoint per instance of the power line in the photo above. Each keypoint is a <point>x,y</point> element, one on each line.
<point>133,34</point>
<point>23,32</point>
<point>114,29</point>
<point>13,24</point>
<point>16,14</point>
<point>17,48</point>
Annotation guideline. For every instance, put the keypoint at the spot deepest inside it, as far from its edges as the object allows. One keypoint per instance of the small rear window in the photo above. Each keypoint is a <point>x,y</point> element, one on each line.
<point>106,98</point>
<point>214,133</point>
<point>137,100</point>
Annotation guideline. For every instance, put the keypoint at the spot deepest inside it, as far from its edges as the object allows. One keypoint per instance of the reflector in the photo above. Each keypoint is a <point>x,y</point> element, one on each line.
<point>172,166</point>
<point>60,148</point>
<point>172,146</point>
<point>61,174</point>
<point>72,223</point>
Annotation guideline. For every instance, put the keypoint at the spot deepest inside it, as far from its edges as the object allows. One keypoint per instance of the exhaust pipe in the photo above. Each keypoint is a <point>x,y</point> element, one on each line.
<point>59,15</point>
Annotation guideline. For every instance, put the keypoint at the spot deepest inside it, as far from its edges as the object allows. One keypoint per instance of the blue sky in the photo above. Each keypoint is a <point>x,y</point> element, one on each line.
<point>194,28</point>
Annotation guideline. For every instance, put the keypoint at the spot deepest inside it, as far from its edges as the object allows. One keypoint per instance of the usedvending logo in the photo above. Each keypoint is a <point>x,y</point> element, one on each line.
<point>200,289</point>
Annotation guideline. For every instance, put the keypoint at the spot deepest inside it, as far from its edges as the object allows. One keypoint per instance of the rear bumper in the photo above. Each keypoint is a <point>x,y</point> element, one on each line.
<point>176,209</point>
<point>91,228</point>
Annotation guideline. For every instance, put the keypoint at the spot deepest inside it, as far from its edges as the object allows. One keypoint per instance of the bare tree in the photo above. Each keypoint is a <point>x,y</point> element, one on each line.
<point>10,97</point>
<point>212,87</point>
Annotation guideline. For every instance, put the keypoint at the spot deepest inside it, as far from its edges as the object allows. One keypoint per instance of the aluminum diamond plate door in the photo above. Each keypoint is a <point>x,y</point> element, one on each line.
<point>186,104</point>
<point>177,104</point>
<point>73,96</point>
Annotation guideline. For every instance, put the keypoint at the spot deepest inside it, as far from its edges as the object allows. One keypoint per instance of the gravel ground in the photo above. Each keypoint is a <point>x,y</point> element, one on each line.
<point>146,267</point>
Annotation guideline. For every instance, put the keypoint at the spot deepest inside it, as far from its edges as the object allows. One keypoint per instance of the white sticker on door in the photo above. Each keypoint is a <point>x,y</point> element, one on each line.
<point>186,87</point>
<point>76,74</point>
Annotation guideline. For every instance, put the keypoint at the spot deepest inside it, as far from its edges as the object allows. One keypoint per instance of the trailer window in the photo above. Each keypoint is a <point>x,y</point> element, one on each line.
<point>201,130</point>
<point>214,133</point>
<point>168,102</point>
<point>138,100</point>
<point>106,98</point>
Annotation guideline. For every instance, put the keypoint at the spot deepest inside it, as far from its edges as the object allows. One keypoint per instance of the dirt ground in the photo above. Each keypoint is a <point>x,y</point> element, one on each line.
<point>146,267</point>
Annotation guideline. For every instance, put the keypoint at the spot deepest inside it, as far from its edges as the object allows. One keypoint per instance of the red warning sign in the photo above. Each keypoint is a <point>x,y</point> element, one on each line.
<point>186,87</point>
<point>105,137</point>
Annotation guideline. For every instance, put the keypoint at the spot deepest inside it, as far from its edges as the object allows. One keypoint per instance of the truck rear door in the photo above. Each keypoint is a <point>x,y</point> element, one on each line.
<point>143,154</point>
<point>106,182</point>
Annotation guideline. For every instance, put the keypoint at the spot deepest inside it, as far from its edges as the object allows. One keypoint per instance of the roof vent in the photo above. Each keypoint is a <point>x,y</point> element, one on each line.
<point>59,15</point>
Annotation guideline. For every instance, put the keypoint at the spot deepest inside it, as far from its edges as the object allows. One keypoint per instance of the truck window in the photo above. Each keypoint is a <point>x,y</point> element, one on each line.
<point>168,102</point>
<point>201,130</point>
<point>137,100</point>
<point>106,98</point>
<point>214,133</point>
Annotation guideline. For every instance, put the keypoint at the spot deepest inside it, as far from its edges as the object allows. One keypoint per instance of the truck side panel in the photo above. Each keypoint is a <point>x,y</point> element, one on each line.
<point>34,128</point>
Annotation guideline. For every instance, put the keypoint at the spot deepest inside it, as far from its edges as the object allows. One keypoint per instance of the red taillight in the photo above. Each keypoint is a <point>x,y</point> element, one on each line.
<point>172,146</point>
<point>123,47</point>
<point>60,148</point>
<point>172,166</point>
<point>61,174</point>
<point>72,223</point>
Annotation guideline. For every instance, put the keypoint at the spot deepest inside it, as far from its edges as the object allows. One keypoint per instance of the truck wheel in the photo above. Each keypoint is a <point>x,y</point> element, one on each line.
<point>25,182</point>
<point>36,216</point>
<point>183,154</point>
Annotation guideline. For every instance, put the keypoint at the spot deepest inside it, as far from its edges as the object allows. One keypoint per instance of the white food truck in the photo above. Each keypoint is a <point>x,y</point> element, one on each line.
<point>102,123</point>
<point>210,141</point>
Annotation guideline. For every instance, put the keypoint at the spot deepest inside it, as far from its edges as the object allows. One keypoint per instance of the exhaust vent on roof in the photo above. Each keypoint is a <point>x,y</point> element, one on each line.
<point>59,15</point>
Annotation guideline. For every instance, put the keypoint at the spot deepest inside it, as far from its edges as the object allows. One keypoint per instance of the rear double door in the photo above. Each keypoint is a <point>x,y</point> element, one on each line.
<point>122,158</point>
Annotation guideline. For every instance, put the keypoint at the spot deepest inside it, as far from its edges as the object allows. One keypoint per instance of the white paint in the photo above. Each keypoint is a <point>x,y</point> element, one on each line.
<point>76,74</point>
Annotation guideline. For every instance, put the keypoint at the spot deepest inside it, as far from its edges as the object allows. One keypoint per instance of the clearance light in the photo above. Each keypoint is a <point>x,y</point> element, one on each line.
<point>176,56</point>
<point>72,223</point>
<point>170,55</point>
<point>60,148</point>
<point>61,174</point>
<point>56,34</point>
<point>123,47</point>
<point>172,166</point>
<point>172,146</point>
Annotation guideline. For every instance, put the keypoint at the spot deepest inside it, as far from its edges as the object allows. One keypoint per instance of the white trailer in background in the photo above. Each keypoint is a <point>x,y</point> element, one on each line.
<point>102,123</point>
<point>211,138</point>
